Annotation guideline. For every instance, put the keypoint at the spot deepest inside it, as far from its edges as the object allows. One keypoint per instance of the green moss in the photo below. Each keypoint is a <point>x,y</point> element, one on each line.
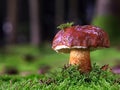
<point>66,78</point>
<point>65,25</point>
<point>69,78</point>
<point>61,78</point>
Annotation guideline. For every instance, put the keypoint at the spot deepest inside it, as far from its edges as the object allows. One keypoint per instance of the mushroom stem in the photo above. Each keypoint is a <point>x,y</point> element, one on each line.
<point>81,57</point>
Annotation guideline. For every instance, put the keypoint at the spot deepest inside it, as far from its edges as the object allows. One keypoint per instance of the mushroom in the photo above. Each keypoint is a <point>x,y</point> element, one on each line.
<point>79,41</point>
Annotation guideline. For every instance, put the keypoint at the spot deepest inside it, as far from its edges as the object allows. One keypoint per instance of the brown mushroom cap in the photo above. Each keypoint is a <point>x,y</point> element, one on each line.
<point>80,37</point>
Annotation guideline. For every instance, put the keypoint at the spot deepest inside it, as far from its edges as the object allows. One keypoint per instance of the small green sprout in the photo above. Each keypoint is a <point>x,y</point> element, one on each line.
<point>65,25</point>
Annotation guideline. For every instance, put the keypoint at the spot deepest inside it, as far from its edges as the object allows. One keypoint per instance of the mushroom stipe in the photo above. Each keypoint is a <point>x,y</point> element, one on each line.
<point>81,58</point>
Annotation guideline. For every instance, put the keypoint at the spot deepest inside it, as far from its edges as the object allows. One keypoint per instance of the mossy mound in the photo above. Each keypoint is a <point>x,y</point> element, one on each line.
<point>69,78</point>
<point>66,78</point>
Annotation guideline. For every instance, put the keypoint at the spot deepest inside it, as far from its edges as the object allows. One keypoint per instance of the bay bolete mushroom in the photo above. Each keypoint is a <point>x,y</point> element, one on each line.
<point>79,41</point>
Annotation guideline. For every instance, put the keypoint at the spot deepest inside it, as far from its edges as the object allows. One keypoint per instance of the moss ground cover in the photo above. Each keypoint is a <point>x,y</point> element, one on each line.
<point>57,78</point>
<point>66,78</point>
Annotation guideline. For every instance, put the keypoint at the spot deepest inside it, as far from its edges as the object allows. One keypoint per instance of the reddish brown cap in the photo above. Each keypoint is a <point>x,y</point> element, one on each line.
<point>78,37</point>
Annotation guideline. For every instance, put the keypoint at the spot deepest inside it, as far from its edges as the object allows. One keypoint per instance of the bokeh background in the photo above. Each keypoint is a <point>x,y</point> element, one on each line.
<point>27,28</point>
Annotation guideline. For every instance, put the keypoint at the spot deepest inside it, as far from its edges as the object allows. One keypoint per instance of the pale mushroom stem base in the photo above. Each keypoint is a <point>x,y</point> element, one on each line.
<point>81,57</point>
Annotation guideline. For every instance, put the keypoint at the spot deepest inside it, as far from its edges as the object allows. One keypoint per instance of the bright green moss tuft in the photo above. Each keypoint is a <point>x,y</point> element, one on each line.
<point>65,25</point>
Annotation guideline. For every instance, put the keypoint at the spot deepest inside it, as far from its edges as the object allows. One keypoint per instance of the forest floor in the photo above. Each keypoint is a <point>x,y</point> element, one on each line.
<point>22,66</point>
